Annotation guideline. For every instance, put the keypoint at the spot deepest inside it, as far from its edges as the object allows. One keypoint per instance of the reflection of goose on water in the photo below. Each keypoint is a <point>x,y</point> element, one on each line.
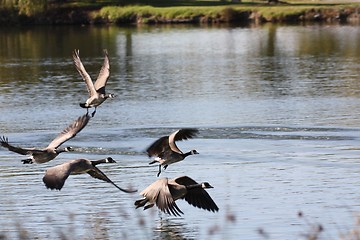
<point>167,228</point>
<point>164,192</point>
<point>55,177</point>
<point>52,150</point>
<point>166,151</point>
<point>96,90</point>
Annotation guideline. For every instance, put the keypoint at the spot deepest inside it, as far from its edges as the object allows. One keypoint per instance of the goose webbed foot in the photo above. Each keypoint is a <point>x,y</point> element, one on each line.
<point>27,161</point>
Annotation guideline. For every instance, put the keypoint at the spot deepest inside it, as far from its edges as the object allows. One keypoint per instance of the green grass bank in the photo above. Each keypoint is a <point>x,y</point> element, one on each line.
<point>176,11</point>
<point>228,13</point>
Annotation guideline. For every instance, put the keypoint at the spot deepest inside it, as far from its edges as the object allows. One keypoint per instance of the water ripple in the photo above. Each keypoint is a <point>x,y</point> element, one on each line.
<point>257,132</point>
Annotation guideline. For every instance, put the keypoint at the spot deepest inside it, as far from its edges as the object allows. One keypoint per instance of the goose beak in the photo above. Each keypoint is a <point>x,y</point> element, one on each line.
<point>195,152</point>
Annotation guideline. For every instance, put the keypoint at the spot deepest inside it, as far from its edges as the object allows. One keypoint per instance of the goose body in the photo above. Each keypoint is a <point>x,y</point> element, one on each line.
<point>97,94</point>
<point>55,177</point>
<point>52,150</point>
<point>166,151</point>
<point>164,192</point>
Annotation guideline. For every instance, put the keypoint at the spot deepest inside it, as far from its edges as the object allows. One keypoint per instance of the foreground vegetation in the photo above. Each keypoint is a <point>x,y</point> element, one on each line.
<point>174,11</point>
<point>97,229</point>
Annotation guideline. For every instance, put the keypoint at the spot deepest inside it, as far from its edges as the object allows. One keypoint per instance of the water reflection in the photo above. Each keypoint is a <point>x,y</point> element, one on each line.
<point>279,60</point>
<point>168,229</point>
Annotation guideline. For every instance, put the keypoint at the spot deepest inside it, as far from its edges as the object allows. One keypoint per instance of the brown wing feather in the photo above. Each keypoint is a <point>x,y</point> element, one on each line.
<point>159,193</point>
<point>179,135</point>
<point>55,177</point>
<point>96,173</point>
<point>185,133</point>
<point>103,74</point>
<point>197,197</point>
<point>53,183</point>
<point>158,146</point>
<point>70,131</point>
<point>185,180</point>
<point>81,69</point>
<point>23,151</point>
<point>168,142</point>
<point>201,199</point>
<point>165,201</point>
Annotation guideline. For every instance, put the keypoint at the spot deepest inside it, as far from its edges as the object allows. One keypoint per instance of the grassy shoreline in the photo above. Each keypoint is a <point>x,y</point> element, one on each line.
<point>157,14</point>
<point>226,14</point>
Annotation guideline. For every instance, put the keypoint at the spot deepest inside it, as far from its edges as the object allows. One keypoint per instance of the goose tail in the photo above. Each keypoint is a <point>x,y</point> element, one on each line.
<point>141,202</point>
<point>83,105</point>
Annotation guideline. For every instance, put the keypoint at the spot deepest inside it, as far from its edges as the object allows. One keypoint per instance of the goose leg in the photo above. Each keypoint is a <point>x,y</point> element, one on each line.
<point>93,114</point>
<point>159,170</point>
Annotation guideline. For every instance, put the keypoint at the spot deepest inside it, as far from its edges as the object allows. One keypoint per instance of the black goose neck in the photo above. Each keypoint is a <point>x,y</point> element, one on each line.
<point>193,186</point>
<point>96,162</point>
<point>60,150</point>
<point>187,154</point>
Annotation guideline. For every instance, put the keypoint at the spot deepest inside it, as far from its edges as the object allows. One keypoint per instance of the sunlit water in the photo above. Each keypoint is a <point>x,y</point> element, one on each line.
<point>277,108</point>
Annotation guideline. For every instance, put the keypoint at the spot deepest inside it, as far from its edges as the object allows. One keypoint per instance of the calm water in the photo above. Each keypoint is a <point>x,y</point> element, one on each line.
<point>278,110</point>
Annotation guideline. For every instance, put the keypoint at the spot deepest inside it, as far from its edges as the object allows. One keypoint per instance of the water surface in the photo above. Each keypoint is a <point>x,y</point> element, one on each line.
<point>277,108</point>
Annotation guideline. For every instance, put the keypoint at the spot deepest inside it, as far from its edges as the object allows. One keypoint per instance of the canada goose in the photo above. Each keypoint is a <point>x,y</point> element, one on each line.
<point>55,177</point>
<point>164,192</point>
<point>166,151</point>
<point>52,150</point>
<point>96,90</point>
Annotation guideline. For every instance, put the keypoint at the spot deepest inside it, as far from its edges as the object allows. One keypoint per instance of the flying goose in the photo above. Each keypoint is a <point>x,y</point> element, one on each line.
<point>55,177</point>
<point>52,150</point>
<point>166,151</point>
<point>96,90</point>
<point>164,192</point>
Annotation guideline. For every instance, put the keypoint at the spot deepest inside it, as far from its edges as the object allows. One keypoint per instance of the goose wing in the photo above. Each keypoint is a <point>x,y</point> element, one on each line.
<point>159,146</point>
<point>197,197</point>
<point>96,173</point>
<point>184,180</point>
<point>55,177</point>
<point>23,151</point>
<point>81,69</point>
<point>70,131</point>
<point>159,193</point>
<point>179,135</point>
<point>103,75</point>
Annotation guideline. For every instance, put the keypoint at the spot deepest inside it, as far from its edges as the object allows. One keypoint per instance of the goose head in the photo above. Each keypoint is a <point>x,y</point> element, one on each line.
<point>60,150</point>
<point>193,152</point>
<point>110,160</point>
<point>110,95</point>
<point>206,185</point>
<point>68,149</point>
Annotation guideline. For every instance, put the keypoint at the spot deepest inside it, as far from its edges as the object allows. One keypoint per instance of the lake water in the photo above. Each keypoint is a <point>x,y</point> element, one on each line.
<point>277,107</point>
